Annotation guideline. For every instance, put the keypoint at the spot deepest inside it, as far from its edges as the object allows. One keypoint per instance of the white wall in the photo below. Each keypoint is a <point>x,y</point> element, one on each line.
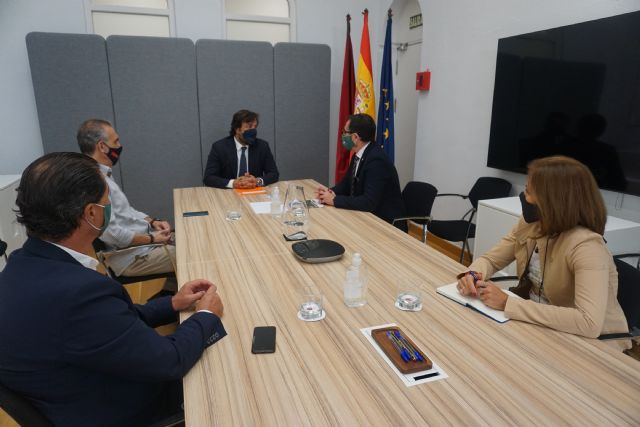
<point>20,142</point>
<point>459,46</point>
<point>405,65</point>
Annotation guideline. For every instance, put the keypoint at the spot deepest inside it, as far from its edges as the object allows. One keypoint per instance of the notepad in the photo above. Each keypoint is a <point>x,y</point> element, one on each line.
<point>250,191</point>
<point>451,291</point>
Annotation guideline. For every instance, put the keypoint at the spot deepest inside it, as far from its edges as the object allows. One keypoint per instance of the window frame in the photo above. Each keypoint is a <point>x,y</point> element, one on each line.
<point>169,12</point>
<point>291,20</point>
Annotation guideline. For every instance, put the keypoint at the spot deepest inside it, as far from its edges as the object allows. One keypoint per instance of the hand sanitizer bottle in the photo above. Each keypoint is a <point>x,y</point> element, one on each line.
<point>275,202</point>
<point>355,285</point>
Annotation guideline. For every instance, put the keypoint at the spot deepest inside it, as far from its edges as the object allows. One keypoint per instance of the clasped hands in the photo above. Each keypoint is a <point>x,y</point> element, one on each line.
<point>488,292</point>
<point>325,195</point>
<point>245,181</point>
<point>162,233</point>
<point>200,292</point>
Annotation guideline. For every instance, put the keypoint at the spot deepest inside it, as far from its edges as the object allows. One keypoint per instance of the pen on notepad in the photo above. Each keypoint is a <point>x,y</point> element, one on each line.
<point>475,276</point>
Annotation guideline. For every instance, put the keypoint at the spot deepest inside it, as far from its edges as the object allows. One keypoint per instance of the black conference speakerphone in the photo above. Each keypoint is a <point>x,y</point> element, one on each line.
<point>318,250</point>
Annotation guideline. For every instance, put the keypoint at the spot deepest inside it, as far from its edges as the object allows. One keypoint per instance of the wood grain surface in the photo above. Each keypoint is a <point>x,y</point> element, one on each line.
<point>327,373</point>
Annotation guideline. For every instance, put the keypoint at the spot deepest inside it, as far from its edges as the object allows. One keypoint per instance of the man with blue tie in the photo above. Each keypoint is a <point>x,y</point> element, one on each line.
<point>241,160</point>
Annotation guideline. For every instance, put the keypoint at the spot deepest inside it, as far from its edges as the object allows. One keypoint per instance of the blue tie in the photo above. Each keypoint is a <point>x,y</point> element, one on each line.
<point>243,162</point>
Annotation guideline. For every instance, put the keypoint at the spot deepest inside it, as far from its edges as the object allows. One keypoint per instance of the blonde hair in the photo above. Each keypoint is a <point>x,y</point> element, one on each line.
<point>566,195</point>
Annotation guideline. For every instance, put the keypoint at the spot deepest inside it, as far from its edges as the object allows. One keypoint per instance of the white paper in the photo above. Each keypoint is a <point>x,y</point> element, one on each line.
<point>262,207</point>
<point>451,291</point>
<point>408,379</point>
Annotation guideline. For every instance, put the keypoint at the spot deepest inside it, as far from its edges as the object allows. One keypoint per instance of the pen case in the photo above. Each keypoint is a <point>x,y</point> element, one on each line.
<point>381,338</point>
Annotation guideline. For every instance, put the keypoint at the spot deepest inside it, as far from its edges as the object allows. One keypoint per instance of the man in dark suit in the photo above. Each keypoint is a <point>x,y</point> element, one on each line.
<point>241,160</point>
<point>71,340</point>
<point>371,183</point>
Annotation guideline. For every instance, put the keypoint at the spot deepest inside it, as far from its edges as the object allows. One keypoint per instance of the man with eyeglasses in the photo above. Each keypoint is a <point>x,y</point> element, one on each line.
<point>129,228</point>
<point>371,183</point>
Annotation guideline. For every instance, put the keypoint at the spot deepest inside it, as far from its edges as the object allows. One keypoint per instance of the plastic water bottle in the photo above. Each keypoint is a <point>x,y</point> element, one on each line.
<point>275,202</point>
<point>355,285</point>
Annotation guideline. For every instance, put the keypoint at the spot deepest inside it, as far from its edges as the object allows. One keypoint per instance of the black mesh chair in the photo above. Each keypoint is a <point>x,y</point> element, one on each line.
<point>3,249</point>
<point>418,198</point>
<point>629,289</point>
<point>21,410</point>
<point>100,249</point>
<point>463,229</point>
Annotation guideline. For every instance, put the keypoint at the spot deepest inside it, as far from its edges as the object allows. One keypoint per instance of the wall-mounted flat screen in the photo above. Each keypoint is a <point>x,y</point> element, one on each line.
<point>575,91</point>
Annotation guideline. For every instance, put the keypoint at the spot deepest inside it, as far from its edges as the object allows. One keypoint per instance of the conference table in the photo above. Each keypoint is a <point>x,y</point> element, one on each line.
<point>328,373</point>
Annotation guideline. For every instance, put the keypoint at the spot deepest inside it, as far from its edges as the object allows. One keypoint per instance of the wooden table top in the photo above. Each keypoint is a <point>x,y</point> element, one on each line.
<point>327,373</point>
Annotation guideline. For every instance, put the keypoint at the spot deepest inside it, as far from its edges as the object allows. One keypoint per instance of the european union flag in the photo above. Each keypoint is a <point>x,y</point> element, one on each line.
<point>384,135</point>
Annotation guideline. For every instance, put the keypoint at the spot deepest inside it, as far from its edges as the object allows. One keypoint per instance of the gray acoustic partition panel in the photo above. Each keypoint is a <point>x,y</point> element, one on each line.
<point>234,75</point>
<point>302,88</point>
<point>153,82</point>
<point>71,84</point>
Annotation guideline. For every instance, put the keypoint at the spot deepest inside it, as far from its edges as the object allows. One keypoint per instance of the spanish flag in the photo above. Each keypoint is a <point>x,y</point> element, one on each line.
<point>365,99</point>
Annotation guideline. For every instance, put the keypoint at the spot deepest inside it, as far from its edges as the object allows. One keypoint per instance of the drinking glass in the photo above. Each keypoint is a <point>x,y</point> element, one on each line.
<point>310,303</point>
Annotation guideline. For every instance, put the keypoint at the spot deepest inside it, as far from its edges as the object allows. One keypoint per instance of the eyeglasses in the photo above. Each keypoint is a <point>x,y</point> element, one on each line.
<point>347,132</point>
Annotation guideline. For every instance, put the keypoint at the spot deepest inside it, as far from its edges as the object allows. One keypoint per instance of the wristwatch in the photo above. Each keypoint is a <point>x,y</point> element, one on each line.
<point>260,182</point>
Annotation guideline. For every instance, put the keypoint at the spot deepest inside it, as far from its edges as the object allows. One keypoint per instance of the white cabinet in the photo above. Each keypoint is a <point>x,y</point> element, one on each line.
<point>10,231</point>
<point>497,216</point>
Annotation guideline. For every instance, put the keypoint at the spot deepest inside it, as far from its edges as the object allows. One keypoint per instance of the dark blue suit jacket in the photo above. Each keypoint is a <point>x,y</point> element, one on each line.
<point>222,164</point>
<point>376,189</point>
<point>74,344</point>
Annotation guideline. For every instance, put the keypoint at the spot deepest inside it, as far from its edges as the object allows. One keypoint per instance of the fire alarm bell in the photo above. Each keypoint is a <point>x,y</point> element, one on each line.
<point>423,80</point>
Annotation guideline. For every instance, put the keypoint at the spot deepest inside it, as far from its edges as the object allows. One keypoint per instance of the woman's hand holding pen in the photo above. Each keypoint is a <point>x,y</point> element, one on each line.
<point>467,284</point>
<point>491,295</point>
<point>471,284</point>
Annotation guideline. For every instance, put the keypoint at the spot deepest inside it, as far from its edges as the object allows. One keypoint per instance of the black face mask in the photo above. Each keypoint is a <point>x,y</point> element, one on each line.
<point>529,210</point>
<point>114,154</point>
<point>250,136</point>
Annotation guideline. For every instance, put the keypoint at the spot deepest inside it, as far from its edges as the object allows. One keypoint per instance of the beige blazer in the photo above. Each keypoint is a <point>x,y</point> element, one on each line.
<point>580,279</point>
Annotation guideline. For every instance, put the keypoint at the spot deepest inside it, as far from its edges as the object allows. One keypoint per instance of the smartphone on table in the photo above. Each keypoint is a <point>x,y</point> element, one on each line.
<point>264,340</point>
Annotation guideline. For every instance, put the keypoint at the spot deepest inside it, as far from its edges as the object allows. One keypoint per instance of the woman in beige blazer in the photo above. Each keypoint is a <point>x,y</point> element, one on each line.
<point>568,279</point>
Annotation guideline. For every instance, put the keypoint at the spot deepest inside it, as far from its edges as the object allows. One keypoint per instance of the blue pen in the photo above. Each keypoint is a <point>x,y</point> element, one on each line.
<point>475,276</point>
<point>411,348</point>
<point>403,353</point>
<point>404,348</point>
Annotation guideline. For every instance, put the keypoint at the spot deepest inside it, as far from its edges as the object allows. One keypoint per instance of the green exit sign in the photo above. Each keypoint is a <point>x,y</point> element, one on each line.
<point>415,21</point>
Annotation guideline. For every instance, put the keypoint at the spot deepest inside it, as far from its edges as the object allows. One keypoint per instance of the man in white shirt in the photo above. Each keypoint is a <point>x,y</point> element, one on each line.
<point>129,228</point>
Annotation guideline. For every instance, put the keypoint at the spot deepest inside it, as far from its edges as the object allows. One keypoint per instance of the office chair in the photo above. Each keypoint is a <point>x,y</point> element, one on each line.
<point>3,249</point>
<point>464,229</point>
<point>629,289</point>
<point>101,254</point>
<point>418,198</point>
<point>21,410</point>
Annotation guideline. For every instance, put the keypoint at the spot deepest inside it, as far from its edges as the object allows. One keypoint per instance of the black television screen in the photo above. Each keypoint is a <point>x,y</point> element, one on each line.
<point>575,91</point>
